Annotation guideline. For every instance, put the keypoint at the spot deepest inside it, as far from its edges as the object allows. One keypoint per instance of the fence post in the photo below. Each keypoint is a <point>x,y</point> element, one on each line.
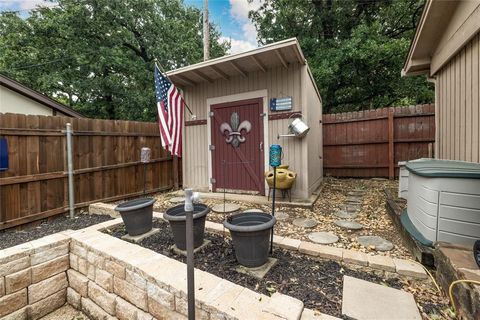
<point>71,199</point>
<point>391,151</point>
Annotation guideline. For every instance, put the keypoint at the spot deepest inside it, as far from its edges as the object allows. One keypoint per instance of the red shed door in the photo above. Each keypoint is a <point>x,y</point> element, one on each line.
<point>237,137</point>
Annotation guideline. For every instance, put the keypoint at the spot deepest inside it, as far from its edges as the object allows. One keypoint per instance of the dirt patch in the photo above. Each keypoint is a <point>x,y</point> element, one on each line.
<point>12,237</point>
<point>372,214</point>
<point>318,283</point>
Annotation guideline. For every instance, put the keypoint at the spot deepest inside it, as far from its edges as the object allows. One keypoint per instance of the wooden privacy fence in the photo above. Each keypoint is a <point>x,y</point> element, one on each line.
<point>106,163</point>
<point>371,143</point>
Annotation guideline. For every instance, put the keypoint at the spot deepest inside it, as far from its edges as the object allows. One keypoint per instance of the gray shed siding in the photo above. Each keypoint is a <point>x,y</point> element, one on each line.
<point>278,82</point>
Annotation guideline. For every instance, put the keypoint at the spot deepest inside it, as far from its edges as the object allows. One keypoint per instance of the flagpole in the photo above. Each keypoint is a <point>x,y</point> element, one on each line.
<point>159,66</point>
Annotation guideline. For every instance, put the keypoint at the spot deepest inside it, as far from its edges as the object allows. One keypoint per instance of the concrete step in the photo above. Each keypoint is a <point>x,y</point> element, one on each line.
<point>363,300</point>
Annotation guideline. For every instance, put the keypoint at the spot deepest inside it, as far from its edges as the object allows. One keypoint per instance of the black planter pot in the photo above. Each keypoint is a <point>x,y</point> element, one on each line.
<point>251,237</point>
<point>177,219</point>
<point>137,215</point>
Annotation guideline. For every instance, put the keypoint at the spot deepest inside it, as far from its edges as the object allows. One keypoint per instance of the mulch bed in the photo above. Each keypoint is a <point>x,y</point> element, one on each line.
<point>13,237</point>
<point>317,283</point>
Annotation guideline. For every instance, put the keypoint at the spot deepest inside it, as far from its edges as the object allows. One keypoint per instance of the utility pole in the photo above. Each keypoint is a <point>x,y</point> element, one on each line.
<point>206,32</point>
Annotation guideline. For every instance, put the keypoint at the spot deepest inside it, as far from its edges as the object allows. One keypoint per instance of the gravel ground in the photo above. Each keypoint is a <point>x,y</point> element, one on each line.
<point>317,283</point>
<point>12,237</point>
<point>372,214</point>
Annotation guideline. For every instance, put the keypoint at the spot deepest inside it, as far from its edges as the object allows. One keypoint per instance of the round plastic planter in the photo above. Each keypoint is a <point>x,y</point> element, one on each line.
<point>137,215</point>
<point>177,219</point>
<point>251,237</point>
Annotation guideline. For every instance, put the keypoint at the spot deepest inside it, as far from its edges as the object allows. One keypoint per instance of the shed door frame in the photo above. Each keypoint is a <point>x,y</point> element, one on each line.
<point>259,94</point>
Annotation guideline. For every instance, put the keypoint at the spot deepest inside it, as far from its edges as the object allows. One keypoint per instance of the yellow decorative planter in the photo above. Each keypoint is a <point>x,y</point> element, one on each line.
<point>285,178</point>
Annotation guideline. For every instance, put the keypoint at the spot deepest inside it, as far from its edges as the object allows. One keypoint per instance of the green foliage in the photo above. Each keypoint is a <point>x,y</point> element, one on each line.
<point>98,55</point>
<point>355,48</point>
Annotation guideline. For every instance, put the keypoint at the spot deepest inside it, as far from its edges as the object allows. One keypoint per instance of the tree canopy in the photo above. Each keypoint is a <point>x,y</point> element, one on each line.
<point>355,48</point>
<point>97,56</point>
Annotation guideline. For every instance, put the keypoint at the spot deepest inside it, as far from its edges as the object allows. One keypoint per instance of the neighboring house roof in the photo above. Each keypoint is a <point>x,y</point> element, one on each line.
<point>443,29</point>
<point>281,53</point>
<point>38,97</point>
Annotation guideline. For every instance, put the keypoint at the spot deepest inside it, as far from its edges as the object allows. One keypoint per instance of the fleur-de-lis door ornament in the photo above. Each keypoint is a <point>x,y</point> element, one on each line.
<point>234,132</point>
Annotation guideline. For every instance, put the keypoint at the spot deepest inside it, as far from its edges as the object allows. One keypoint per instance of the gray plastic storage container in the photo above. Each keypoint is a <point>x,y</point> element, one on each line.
<point>444,200</point>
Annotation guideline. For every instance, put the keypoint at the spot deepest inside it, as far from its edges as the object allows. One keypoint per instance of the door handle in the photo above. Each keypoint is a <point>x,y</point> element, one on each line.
<point>261,146</point>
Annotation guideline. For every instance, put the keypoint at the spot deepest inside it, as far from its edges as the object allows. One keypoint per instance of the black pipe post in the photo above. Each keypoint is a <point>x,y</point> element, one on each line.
<point>144,179</point>
<point>190,261</point>
<point>273,205</point>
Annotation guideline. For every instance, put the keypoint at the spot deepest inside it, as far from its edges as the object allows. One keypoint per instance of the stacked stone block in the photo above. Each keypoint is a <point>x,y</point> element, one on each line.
<point>33,279</point>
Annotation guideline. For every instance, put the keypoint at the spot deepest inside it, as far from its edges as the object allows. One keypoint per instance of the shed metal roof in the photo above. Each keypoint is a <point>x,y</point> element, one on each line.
<point>280,53</point>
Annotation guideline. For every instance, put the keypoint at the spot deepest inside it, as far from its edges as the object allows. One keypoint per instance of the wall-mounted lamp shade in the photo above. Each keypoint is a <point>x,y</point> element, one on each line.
<point>3,154</point>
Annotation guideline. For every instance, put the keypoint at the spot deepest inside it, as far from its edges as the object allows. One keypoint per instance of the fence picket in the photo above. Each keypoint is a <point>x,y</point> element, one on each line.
<point>107,166</point>
<point>360,144</point>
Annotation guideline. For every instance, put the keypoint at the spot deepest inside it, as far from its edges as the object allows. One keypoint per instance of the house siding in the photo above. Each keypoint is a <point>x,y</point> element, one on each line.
<point>12,102</point>
<point>457,88</point>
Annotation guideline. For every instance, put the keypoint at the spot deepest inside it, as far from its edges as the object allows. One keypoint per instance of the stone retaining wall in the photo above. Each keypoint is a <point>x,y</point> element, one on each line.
<point>33,277</point>
<point>113,278</point>
<point>108,278</point>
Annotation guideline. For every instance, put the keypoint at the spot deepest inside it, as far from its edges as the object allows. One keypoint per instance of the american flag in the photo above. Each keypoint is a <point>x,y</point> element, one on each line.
<point>170,113</point>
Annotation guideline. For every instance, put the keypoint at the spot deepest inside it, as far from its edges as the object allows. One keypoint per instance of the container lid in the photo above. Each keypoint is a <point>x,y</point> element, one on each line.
<point>444,168</point>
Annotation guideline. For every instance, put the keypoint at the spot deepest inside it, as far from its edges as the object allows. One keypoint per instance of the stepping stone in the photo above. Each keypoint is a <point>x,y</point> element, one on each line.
<point>305,222</point>
<point>345,214</point>
<point>177,200</point>
<point>366,300</point>
<point>352,208</point>
<point>379,243</point>
<point>323,237</point>
<point>351,225</point>
<point>353,200</point>
<point>281,215</point>
<point>356,193</point>
<point>253,210</point>
<point>226,208</point>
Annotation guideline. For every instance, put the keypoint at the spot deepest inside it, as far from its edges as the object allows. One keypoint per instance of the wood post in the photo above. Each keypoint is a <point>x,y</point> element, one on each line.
<point>391,151</point>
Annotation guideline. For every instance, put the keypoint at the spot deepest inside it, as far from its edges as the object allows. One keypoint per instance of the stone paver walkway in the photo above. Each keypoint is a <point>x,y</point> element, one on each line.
<point>375,242</point>
<point>350,225</point>
<point>366,300</point>
<point>305,222</point>
<point>323,237</point>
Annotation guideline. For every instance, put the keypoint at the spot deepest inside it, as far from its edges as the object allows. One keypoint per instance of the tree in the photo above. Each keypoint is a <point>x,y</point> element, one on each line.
<point>355,48</point>
<point>97,56</point>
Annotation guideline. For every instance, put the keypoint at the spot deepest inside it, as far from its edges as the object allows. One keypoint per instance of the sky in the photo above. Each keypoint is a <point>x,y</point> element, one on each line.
<point>230,16</point>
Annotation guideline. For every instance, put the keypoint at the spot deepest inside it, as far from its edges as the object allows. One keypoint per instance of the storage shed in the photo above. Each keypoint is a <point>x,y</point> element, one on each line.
<point>242,102</point>
<point>443,201</point>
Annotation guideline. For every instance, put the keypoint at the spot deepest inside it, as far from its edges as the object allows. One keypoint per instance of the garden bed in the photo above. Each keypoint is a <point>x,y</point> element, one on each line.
<point>12,237</point>
<point>318,283</point>
<point>372,214</point>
